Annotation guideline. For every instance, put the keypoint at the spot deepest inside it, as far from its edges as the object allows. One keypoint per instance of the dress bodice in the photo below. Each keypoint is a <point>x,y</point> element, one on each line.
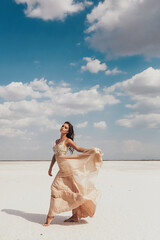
<point>60,148</point>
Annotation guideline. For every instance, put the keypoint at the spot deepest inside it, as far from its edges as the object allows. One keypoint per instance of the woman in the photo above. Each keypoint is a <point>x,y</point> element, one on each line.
<point>73,187</point>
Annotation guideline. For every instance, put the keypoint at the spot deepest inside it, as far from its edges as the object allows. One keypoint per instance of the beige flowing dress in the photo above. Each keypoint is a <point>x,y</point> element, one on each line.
<point>74,185</point>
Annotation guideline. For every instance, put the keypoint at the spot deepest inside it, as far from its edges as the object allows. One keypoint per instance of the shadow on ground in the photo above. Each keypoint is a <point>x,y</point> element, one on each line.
<point>41,218</point>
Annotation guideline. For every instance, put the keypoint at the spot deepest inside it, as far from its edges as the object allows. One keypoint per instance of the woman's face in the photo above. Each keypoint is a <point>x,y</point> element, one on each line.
<point>64,128</point>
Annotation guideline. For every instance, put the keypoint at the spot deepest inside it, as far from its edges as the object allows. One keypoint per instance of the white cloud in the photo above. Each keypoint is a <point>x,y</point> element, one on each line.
<point>61,101</point>
<point>149,120</point>
<point>88,3</point>
<point>125,27</point>
<point>143,90</point>
<point>52,9</point>
<point>17,91</point>
<point>114,71</point>
<point>36,104</point>
<point>72,64</point>
<point>82,125</point>
<point>64,84</point>
<point>12,132</point>
<point>39,85</point>
<point>101,124</point>
<point>144,84</point>
<point>93,65</point>
<point>51,82</point>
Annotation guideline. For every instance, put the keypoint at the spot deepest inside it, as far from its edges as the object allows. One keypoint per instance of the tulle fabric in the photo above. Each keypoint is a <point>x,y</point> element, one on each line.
<point>74,185</point>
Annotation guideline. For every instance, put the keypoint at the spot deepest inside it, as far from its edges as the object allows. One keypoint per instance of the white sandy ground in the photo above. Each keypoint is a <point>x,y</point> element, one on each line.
<point>129,208</point>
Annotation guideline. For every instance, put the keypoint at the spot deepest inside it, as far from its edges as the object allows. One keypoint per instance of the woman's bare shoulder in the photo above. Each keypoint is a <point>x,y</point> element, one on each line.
<point>68,140</point>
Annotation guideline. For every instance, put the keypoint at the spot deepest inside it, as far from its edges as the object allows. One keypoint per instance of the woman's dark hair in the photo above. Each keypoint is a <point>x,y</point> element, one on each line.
<point>70,134</point>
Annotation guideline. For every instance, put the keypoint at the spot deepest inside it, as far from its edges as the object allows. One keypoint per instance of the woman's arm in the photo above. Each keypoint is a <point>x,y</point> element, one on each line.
<point>73,145</point>
<point>51,165</point>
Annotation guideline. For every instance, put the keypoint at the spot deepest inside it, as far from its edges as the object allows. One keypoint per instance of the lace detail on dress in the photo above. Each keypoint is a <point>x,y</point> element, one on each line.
<point>60,148</point>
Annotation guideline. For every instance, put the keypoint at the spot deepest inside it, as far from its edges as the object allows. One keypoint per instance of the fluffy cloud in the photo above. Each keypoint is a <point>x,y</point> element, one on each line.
<point>82,125</point>
<point>17,91</point>
<point>93,65</point>
<point>125,27</point>
<point>114,71</point>
<point>144,84</point>
<point>36,104</point>
<point>101,124</point>
<point>143,90</point>
<point>12,132</point>
<point>52,9</point>
<point>141,120</point>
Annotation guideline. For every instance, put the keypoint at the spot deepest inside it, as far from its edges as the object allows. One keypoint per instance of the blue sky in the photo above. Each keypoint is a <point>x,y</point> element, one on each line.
<point>88,62</point>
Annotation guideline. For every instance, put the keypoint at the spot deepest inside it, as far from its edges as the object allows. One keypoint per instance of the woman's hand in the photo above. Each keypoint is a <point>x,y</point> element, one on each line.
<point>50,172</point>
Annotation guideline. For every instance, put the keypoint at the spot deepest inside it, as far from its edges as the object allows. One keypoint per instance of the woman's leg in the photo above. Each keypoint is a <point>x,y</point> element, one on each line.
<point>73,218</point>
<point>48,220</point>
<point>51,213</point>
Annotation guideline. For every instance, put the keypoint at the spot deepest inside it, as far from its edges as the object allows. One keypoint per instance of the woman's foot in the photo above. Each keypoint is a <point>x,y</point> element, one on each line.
<point>48,220</point>
<point>74,218</point>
